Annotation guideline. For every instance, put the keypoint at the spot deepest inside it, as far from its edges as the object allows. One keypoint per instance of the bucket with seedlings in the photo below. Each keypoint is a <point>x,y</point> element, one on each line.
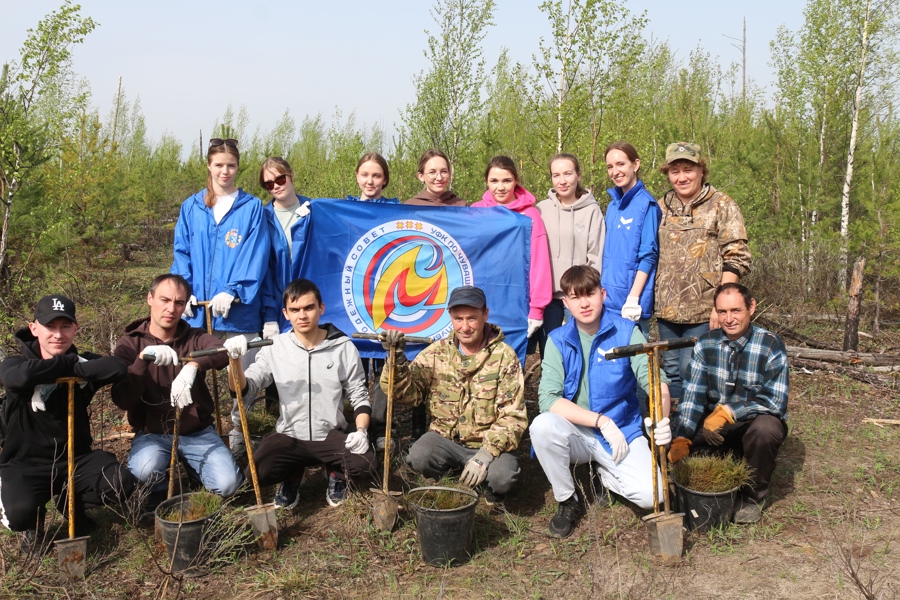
<point>185,522</point>
<point>706,488</point>
<point>445,523</point>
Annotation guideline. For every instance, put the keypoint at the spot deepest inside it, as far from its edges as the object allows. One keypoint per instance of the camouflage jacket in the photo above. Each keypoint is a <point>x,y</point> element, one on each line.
<point>697,242</point>
<point>477,401</point>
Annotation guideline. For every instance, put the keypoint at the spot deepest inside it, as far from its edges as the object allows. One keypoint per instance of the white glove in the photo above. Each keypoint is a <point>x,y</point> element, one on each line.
<point>357,442</point>
<point>662,434</point>
<point>236,346</point>
<point>163,355</point>
<point>476,469</point>
<point>189,306</point>
<point>534,325</point>
<point>181,387</point>
<point>221,304</point>
<point>303,211</point>
<point>270,330</point>
<point>632,309</point>
<point>613,435</point>
<point>42,391</point>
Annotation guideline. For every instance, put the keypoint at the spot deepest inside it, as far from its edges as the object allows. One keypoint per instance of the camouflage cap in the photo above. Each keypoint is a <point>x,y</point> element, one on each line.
<point>683,151</point>
<point>467,295</point>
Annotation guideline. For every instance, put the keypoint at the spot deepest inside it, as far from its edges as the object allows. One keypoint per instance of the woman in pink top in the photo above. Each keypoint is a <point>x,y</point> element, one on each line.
<point>503,189</point>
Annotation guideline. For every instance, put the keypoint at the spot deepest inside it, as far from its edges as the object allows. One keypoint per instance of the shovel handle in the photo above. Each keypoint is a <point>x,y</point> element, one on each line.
<point>379,337</point>
<point>392,360</point>
<point>673,344</point>
<point>71,381</point>
<point>214,351</point>
<point>174,455</point>
<point>233,365</point>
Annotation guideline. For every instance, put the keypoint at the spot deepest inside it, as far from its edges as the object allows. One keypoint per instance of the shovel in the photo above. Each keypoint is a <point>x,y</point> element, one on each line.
<point>70,553</point>
<point>664,529</point>
<point>384,502</point>
<point>262,516</point>
<point>215,378</point>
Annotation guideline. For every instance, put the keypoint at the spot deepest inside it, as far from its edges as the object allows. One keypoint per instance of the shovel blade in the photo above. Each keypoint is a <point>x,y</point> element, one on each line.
<point>665,533</point>
<point>70,553</point>
<point>384,509</point>
<point>264,521</point>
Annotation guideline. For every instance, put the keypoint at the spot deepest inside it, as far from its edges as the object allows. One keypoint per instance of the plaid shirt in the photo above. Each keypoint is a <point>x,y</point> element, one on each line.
<point>749,375</point>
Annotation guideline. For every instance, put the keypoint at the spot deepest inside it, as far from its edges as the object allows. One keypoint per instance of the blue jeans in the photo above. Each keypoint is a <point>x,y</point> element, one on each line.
<point>676,362</point>
<point>204,452</point>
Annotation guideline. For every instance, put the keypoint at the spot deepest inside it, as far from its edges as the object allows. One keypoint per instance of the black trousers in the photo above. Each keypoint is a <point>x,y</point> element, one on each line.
<point>758,441</point>
<point>280,457</point>
<point>25,489</point>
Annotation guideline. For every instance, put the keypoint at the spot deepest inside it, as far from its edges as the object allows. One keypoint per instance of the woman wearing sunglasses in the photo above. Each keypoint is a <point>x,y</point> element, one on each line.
<point>222,249</point>
<point>283,216</point>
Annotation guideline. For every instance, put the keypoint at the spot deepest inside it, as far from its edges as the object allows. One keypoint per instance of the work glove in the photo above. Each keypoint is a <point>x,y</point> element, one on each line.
<point>42,391</point>
<point>181,387</point>
<point>534,325</point>
<point>617,442</point>
<point>270,330</point>
<point>476,469</point>
<point>236,346</point>
<point>681,447</point>
<point>303,210</point>
<point>357,442</point>
<point>162,355</point>
<point>395,338</point>
<point>632,309</point>
<point>221,304</point>
<point>713,425</point>
<point>189,306</point>
<point>662,433</point>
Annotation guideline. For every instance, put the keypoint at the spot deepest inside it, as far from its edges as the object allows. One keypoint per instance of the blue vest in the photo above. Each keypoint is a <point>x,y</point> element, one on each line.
<point>625,217</point>
<point>611,383</point>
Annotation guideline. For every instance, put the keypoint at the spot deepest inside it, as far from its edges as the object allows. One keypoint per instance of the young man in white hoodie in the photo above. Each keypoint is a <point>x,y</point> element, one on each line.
<point>315,367</point>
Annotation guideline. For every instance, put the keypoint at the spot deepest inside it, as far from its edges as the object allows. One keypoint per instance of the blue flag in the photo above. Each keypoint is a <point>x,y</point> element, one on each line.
<point>391,266</point>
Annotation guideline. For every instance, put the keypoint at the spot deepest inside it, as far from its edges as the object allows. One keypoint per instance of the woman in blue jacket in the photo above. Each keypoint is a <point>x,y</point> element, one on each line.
<point>222,249</point>
<point>283,215</point>
<point>631,250</point>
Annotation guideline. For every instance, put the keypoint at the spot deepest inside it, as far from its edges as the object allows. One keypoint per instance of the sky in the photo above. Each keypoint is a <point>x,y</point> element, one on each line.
<point>189,60</point>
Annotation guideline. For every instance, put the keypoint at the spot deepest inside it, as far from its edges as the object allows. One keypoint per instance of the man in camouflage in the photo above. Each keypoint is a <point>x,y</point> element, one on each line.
<point>473,385</point>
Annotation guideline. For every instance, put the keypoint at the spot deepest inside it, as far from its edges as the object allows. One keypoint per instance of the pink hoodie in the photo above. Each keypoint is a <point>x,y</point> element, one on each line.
<point>540,279</point>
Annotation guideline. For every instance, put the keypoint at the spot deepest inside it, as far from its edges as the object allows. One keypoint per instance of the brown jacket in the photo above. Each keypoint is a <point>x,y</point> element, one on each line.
<point>426,198</point>
<point>697,242</point>
<point>146,390</point>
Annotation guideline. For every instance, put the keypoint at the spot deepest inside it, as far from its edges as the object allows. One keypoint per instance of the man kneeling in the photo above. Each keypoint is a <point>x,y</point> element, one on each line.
<point>473,384</point>
<point>314,368</point>
<point>589,406</point>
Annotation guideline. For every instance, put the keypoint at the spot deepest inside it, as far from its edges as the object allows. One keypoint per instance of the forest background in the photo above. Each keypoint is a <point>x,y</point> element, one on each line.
<point>90,201</point>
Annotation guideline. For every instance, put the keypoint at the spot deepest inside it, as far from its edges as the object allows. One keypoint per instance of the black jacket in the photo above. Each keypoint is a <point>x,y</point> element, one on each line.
<point>41,437</point>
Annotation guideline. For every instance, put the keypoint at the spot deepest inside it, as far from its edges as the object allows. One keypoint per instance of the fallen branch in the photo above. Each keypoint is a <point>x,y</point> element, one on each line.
<point>850,358</point>
<point>850,372</point>
<point>784,331</point>
<point>122,435</point>
<point>882,421</point>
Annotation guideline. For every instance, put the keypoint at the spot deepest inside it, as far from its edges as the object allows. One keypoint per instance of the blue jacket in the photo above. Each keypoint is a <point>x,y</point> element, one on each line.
<point>231,256</point>
<point>381,200</point>
<point>612,384</point>
<point>632,245</point>
<point>279,268</point>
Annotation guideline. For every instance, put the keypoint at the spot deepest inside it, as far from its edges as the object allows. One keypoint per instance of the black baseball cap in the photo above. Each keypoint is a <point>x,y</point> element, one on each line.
<point>50,307</point>
<point>467,295</point>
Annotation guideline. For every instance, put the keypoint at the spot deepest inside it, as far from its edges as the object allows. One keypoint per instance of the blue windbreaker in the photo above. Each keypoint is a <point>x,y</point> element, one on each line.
<point>231,256</point>
<point>632,245</point>
<point>381,200</point>
<point>280,259</point>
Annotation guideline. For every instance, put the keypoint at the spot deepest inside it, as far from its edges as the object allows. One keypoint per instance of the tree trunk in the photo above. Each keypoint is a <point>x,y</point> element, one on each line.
<point>851,329</point>
<point>847,358</point>
<point>851,152</point>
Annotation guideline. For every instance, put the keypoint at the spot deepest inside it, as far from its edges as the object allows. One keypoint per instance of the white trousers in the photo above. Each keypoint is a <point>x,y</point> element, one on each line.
<point>558,444</point>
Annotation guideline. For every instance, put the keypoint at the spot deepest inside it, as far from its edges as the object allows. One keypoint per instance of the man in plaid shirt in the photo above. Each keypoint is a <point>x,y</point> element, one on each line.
<point>737,388</point>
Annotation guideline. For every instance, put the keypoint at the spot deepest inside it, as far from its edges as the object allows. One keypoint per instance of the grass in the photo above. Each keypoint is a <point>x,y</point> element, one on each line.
<point>439,499</point>
<point>711,474</point>
<point>200,504</point>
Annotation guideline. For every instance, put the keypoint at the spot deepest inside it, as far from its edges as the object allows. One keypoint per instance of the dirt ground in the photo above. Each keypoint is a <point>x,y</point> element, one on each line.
<point>831,531</point>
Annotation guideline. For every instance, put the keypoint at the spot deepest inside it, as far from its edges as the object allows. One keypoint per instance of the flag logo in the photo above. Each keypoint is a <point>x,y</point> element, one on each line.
<point>399,274</point>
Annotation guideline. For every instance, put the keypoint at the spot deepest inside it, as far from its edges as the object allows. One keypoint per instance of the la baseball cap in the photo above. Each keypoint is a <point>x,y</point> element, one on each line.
<point>467,295</point>
<point>51,307</point>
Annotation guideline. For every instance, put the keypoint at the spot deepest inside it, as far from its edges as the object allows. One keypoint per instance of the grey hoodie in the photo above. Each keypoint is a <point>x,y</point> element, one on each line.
<point>575,234</point>
<point>312,384</point>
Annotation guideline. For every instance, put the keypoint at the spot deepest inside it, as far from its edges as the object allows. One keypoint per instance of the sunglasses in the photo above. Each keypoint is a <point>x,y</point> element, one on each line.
<point>220,142</point>
<point>280,180</point>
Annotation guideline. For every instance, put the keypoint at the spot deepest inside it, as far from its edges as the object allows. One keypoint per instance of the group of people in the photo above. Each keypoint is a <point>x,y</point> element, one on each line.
<point>595,283</point>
